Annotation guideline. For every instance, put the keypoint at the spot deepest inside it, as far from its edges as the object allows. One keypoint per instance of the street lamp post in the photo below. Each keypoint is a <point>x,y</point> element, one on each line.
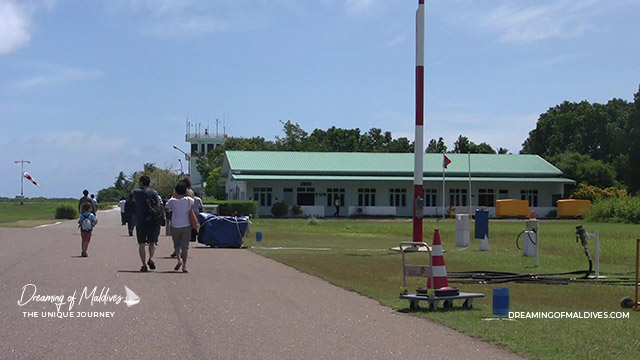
<point>186,157</point>
<point>22,178</point>
<point>180,161</point>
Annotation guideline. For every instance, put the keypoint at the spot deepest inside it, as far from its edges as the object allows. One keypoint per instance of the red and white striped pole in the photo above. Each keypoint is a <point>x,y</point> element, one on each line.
<point>419,136</point>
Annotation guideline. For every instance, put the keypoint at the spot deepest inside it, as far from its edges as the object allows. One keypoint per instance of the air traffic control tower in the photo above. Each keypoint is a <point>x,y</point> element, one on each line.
<point>201,143</point>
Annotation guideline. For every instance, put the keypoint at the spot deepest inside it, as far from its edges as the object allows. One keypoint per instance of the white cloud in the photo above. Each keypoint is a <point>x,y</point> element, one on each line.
<point>518,23</point>
<point>56,75</point>
<point>397,40</point>
<point>358,6</point>
<point>78,141</point>
<point>15,27</point>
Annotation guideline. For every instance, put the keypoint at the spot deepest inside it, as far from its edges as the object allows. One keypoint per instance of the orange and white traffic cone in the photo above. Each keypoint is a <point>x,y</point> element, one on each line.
<point>437,264</point>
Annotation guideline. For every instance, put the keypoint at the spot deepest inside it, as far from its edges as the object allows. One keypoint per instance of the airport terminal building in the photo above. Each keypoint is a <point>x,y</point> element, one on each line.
<point>381,184</point>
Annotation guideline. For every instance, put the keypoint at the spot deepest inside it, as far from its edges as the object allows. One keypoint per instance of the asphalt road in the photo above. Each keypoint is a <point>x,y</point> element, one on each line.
<point>232,305</point>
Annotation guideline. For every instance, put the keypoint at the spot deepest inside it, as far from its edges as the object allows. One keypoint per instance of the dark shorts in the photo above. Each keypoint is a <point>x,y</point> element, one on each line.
<point>147,235</point>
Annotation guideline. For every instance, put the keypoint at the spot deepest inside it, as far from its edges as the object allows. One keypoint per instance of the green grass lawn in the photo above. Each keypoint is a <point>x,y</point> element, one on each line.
<point>36,212</point>
<point>359,260</point>
<point>12,214</point>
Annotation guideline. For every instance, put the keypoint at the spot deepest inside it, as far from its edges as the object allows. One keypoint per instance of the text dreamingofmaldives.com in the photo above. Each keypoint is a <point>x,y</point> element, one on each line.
<point>568,315</point>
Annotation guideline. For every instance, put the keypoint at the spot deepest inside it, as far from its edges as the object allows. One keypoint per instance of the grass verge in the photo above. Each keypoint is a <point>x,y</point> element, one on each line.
<point>359,260</point>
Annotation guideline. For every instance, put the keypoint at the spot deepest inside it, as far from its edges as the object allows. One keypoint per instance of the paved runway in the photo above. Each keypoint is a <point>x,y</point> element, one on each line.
<point>232,305</point>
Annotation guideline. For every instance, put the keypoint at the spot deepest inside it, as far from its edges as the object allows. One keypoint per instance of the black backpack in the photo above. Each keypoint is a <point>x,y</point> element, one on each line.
<point>155,215</point>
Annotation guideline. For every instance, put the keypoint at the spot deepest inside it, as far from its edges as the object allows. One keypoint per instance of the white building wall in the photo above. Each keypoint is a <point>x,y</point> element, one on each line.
<point>383,208</point>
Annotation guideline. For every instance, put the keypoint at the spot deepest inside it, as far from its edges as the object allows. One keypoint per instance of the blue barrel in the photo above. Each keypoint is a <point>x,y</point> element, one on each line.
<point>482,223</point>
<point>501,301</point>
<point>258,236</point>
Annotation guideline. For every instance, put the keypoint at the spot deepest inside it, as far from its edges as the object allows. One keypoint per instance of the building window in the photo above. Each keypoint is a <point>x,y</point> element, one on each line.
<point>398,197</point>
<point>209,147</point>
<point>486,197</point>
<point>503,194</point>
<point>306,196</point>
<point>194,149</point>
<point>531,196</point>
<point>333,195</point>
<point>554,199</point>
<point>366,197</point>
<point>457,197</point>
<point>430,196</point>
<point>262,196</point>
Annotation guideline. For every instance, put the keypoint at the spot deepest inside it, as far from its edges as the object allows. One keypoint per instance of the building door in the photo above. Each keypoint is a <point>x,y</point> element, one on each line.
<point>288,196</point>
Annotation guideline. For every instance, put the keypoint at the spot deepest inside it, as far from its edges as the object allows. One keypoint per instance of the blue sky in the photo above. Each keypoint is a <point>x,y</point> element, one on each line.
<point>91,88</point>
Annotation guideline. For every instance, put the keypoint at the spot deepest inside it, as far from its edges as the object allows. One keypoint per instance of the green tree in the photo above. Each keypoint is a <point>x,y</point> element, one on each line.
<point>436,147</point>
<point>633,132</point>
<point>585,170</point>
<point>121,181</point>
<point>212,189</point>
<point>482,148</point>
<point>294,138</point>
<point>502,150</point>
<point>462,145</point>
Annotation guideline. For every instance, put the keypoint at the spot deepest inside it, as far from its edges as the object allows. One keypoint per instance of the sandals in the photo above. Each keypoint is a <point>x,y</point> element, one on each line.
<point>177,267</point>
<point>151,264</point>
<point>143,269</point>
<point>185,270</point>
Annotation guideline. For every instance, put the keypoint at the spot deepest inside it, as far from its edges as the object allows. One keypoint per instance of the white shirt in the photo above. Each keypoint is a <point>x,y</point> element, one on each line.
<point>121,204</point>
<point>180,211</point>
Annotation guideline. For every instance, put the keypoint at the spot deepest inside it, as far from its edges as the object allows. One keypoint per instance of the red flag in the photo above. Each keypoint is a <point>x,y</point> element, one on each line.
<point>30,178</point>
<point>445,161</point>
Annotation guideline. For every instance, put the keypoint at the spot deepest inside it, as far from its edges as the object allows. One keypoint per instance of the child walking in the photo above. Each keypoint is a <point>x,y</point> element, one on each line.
<point>86,222</point>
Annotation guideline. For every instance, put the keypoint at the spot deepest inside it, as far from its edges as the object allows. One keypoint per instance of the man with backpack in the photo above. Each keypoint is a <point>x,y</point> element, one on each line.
<point>86,199</point>
<point>147,220</point>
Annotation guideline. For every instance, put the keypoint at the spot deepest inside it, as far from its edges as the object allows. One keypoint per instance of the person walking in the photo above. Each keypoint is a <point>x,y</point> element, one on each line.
<point>86,222</point>
<point>85,199</point>
<point>336,203</point>
<point>95,204</point>
<point>147,230</point>
<point>123,217</point>
<point>180,205</point>
<point>130,213</point>
<point>167,215</point>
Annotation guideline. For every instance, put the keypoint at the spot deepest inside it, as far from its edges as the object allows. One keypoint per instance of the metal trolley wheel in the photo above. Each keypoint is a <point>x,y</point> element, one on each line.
<point>447,304</point>
<point>626,303</point>
<point>467,304</point>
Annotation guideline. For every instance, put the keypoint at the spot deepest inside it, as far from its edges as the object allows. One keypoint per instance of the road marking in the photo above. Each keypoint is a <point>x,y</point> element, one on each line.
<point>45,225</point>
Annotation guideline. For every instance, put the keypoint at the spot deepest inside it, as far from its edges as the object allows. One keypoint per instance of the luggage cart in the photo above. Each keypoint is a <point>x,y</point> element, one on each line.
<point>628,302</point>
<point>425,271</point>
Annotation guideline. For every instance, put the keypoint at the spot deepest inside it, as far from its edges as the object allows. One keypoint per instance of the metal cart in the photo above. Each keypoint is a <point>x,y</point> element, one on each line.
<point>425,271</point>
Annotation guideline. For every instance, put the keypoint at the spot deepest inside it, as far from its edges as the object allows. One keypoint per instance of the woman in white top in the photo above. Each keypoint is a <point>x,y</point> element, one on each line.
<point>180,206</point>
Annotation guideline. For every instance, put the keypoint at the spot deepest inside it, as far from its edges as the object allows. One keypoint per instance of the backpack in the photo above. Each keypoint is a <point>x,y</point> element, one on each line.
<point>155,215</point>
<point>86,224</point>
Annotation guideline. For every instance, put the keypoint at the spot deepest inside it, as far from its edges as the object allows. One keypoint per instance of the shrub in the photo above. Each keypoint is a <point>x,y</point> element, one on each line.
<point>594,193</point>
<point>296,210</point>
<point>242,207</point>
<point>625,210</point>
<point>279,209</point>
<point>66,212</point>
<point>313,221</point>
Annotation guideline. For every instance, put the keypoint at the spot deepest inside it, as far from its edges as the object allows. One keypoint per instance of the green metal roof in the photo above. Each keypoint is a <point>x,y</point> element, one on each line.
<point>396,178</point>
<point>384,164</point>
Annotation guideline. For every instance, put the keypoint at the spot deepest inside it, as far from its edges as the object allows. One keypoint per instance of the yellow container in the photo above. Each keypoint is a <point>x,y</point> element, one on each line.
<point>512,208</point>
<point>573,207</point>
